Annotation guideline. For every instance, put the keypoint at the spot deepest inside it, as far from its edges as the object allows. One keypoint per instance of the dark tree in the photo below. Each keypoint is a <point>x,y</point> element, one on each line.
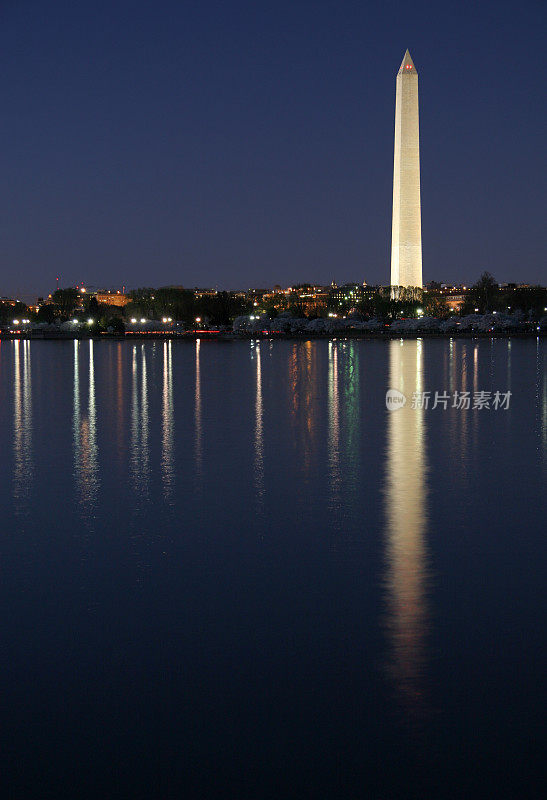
<point>485,288</point>
<point>66,300</point>
<point>9,312</point>
<point>47,313</point>
<point>92,306</point>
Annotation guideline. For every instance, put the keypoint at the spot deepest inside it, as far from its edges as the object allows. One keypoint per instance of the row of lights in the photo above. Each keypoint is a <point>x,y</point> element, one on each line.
<point>143,320</point>
<point>198,319</point>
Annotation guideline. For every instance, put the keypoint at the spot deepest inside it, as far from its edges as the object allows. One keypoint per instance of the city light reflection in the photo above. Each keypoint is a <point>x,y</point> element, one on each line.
<point>140,457</point>
<point>353,411</point>
<point>84,433</point>
<point>258,438</point>
<point>198,440</point>
<point>120,423</point>
<point>334,426</point>
<point>22,420</point>
<point>167,455</point>
<point>541,399</point>
<point>302,402</point>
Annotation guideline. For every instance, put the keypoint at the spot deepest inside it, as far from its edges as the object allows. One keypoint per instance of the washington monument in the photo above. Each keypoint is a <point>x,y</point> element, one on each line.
<point>406,232</point>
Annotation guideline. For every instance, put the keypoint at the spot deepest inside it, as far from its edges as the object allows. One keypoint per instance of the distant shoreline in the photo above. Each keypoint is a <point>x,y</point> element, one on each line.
<point>275,336</point>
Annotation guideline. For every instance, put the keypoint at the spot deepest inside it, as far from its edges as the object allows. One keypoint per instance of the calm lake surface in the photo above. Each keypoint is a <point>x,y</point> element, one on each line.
<point>228,570</point>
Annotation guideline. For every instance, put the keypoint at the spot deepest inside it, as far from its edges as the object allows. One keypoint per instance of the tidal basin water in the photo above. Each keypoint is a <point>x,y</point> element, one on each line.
<point>228,570</point>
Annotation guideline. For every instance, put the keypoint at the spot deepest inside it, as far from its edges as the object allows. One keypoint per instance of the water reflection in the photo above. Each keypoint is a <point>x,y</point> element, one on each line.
<point>303,386</point>
<point>140,457</point>
<point>544,412</point>
<point>84,433</point>
<point>167,457</point>
<point>344,421</point>
<point>22,424</point>
<point>198,440</point>
<point>406,524</point>
<point>458,423</point>
<point>258,471</point>
<point>120,424</point>
<point>335,474</point>
<point>541,398</point>
<point>352,385</point>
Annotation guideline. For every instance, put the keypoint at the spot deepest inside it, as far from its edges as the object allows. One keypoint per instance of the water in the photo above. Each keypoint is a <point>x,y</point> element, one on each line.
<point>228,570</point>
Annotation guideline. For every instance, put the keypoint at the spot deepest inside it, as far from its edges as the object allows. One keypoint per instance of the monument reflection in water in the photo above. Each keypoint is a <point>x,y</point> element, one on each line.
<point>406,553</point>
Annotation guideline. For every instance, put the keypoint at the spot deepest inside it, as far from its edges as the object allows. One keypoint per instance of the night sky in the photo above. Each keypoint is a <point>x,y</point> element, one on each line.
<point>243,144</point>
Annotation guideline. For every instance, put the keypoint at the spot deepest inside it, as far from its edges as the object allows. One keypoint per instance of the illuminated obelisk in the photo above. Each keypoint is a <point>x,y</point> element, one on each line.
<point>406,234</point>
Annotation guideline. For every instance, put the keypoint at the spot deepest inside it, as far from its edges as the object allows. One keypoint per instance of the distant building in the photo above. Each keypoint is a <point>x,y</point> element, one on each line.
<point>112,298</point>
<point>350,293</point>
<point>454,301</point>
<point>312,299</point>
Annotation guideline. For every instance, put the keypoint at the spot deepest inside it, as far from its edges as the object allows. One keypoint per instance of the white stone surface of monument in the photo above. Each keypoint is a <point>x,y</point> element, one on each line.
<point>406,234</point>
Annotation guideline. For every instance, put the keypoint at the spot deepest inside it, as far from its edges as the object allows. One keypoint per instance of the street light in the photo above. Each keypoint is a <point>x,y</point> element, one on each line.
<point>90,321</point>
<point>16,322</point>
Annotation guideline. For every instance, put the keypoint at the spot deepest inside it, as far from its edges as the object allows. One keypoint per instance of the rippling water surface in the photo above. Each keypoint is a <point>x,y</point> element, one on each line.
<point>228,569</point>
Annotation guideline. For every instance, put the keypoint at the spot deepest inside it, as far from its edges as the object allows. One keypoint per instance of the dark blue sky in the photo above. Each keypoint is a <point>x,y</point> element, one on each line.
<point>249,143</point>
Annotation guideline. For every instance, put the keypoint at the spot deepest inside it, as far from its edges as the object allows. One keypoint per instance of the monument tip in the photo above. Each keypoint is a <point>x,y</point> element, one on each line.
<point>407,64</point>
